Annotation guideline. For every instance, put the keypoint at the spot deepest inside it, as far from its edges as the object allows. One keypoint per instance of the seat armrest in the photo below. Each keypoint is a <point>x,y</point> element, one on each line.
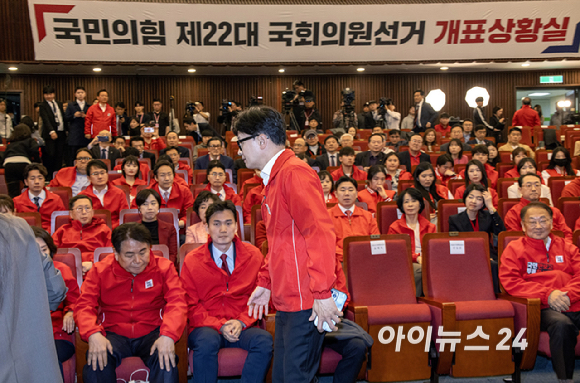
<point>81,355</point>
<point>182,355</point>
<point>361,315</point>
<point>442,314</point>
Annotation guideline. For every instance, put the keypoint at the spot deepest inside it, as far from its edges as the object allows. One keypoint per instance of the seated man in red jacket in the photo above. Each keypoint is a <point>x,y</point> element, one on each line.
<point>103,193</point>
<point>173,153</point>
<point>349,220</point>
<point>218,279</point>
<point>173,195</point>
<point>36,198</point>
<point>84,232</point>
<point>75,177</point>
<point>346,156</point>
<point>530,188</point>
<point>542,265</point>
<point>143,301</point>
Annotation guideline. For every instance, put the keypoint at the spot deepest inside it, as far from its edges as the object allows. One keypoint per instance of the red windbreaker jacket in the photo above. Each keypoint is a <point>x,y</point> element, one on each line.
<point>65,177</point>
<point>301,259</point>
<point>361,222</point>
<point>253,197</point>
<point>212,297</point>
<point>528,270</point>
<point>372,198</point>
<point>72,295</point>
<point>400,227</point>
<point>230,194</point>
<point>97,120</point>
<point>131,306</point>
<point>23,204</point>
<point>85,238</point>
<point>114,201</point>
<point>513,221</point>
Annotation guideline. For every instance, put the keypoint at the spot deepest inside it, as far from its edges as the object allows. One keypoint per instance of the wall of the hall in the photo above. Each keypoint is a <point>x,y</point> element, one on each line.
<point>211,90</point>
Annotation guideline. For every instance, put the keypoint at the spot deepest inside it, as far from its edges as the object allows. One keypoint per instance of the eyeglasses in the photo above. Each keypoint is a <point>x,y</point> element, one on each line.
<point>217,175</point>
<point>80,209</point>
<point>529,186</point>
<point>542,223</point>
<point>97,174</point>
<point>84,159</point>
<point>240,140</point>
<point>214,146</point>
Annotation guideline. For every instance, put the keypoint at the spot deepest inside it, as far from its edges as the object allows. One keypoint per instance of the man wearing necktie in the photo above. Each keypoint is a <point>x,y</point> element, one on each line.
<point>54,131</point>
<point>425,116</point>
<point>101,147</point>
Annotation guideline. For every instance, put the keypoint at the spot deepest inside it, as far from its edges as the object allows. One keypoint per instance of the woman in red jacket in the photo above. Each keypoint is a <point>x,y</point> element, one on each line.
<point>425,182</point>
<point>412,204</point>
<point>327,186</point>
<point>475,174</point>
<point>375,191</point>
<point>560,165</point>
<point>131,174</point>
<point>162,233</point>
<point>394,173</point>
<point>63,323</point>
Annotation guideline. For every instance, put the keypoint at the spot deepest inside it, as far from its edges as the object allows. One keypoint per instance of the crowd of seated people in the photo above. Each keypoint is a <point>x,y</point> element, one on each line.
<point>349,177</point>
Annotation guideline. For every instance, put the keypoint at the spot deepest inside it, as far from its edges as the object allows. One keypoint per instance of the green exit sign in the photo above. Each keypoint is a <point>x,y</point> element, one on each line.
<point>551,79</point>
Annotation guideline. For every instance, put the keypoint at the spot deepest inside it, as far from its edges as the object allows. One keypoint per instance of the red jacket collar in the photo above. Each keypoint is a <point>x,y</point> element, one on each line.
<point>240,254</point>
<point>337,212</point>
<point>90,191</point>
<point>287,155</point>
<point>119,271</point>
<point>539,244</point>
<point>95,222</point>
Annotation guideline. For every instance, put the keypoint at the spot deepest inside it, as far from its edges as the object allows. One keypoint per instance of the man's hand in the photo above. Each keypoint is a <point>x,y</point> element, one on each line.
<point>78,114</point>
<point>88,136</point>
<point>87,266</point>
<point>327,312</point>
<point>231,330</point>
<point>181,224</point>
<point>53,135</point>
<point>428,125</point>
<point>95,141</point>
<point>419,259</point>
<point>98,347</point>
<point>68,323</point>
<point>166,351</point>
<point>433,216</point>
<point>559,300</point>
<point>258,302</point>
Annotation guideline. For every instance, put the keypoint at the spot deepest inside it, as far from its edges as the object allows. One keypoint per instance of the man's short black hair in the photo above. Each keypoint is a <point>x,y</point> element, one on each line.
<point>136,138</point>
<point>444,115</point>
<point>96,164</point>
<point>262,120</point>
<point>344,179</point>
<point>393,132</point>
<point>381,135</point>
<point>413,193</point>
<point>514,129</point>
<point>134,231</point>
<point>161,163</point>
<point>207,133</point>
<point>34,166</point>
<point>421,92</point>
<point>144,194</point>
<point>48,89</point>
<point>538,204</point>
<point>458,126</point>
<point>80,88</point>
<point>86,150</point>
<point>468,120</point>
<point>101,91</point>
<point>139,103</point>
<point>203,196</point>
<point>480,149</point>
<point>298,83</point>
<point>479,99</point>
<point>156,100</point>
<point>215,164</point>
<point>330,137</point>
<point>219,206</point>
<point>527,160</point>
<point>479,127</point>
<point>172,148</point>
<point>521,179</point>
<point>443,159</point>
<point>120,104</point>
<point>131,151</point>
<point>346,151</point>
<point>189,120</point>
<point>71,202</point>
<point>214,138</point>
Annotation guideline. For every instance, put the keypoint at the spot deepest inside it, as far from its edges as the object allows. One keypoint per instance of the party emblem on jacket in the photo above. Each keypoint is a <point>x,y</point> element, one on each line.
<point>539,267</point>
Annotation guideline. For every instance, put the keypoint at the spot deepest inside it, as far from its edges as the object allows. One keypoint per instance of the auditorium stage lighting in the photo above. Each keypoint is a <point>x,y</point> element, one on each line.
<point>96,69</point>
<point>12,68</point>
<point>526,64</point>
<point>360,69</point>
<point>436,98</point>
<point>281,70</point>
<point>444,68</point>
<point>474,93</point>
<point>191,70</point>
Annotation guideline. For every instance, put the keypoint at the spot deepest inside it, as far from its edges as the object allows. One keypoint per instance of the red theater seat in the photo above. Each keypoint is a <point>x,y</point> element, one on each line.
<point>570,208</point>
<point>388,212</point>
<point>503,184</point>
<point>557,184</point>
<point>65,193</point>
<point>60,218</point>
<point>32,218</point>
<point>445,209</point>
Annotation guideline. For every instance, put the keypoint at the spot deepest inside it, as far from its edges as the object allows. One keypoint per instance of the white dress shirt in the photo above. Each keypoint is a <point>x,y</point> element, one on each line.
<point>217,254</point>
<point>265,173</point>
<point>101,195</point>
<point>41,197</point>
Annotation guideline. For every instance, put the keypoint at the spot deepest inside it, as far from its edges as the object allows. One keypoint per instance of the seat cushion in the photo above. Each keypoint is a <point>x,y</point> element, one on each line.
<point>329,361</point>
<point>469,310</point>
<point>410,313</point>
<point>132,368</point>
<point>544,345</point>
<point>230,361</point>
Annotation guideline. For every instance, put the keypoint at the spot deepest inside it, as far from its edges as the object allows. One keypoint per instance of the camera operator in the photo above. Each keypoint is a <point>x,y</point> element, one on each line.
<point>309,112</point>
<point>298,103</point>
<point>228,113</point>
<point>342,121</point>
<point>200,117</point>
<point>372,116</point>
<point>389,117</point>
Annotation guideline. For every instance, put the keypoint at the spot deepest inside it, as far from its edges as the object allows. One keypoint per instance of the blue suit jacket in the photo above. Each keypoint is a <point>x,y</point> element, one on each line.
<point>76,127</point>
<point>203,161</point>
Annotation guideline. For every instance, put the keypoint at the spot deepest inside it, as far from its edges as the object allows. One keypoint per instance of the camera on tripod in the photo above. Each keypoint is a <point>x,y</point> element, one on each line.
<point>255,101</point>
<point>347,100</point>
<point>288,101</point>
<point>383,104</point>
<point>189,108</point>
<point>225,105</point>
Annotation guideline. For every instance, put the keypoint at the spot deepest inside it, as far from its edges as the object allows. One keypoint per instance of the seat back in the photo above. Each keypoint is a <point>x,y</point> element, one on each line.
<point>127,190</point>
<point>462,276</point>
<point>169,215</point>
<point>368,266</point>
<point>505,157</point>
<point>404,184</point>
<point>570,208</point>
<point>505,204</point>
<point>445,209</point>
<point>60,218</point>
<point>183,174</point>
<point>73,259</point>
<point>503,168</point>
<point>32,218</point>
<point>388,212</point>
<point>191,217</point>
<point>543,155</point>
<point>196,189</point>
<point>503,184</point>
<point>557,184</point>
<point>247,188</point>
<point>453,185</point>
<point>114,175</point>
<point>64,192</point>
<point>459,167</point>
<point>256,216</point>
<point>244,175</point>
<point>185,249</point>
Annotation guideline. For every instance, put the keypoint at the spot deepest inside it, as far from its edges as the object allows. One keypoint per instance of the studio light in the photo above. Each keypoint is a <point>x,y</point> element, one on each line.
<point>436,98</point>
<point>474,93</point>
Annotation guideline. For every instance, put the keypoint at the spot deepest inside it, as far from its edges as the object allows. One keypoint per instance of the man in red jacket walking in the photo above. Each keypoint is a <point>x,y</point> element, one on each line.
<point>299,268</point>
<point>218,279</point>
<point>542,265</point>
<point>100,116</point>
<point>131,304</point>
<point>526,116</point>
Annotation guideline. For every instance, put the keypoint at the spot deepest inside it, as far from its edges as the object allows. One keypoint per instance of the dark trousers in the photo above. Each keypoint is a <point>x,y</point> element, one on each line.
<point>53,159</point>
<point>64,351</point>
<point>297,348</point>
<point>14,174</point>
<point>124,347</point>
<point>354,352</point>
<point>206,343</point>
<point>563,331</point>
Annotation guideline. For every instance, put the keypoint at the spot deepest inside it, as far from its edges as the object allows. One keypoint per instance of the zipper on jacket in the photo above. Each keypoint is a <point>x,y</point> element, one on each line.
<point>132,280</point>
<point>548,256</point>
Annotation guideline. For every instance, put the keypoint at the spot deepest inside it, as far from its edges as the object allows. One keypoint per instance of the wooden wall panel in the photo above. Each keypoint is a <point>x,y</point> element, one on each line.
<point>212,89</point>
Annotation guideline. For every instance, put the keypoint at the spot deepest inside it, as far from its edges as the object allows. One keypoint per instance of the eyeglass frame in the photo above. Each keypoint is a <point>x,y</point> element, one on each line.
<point>246,139</point>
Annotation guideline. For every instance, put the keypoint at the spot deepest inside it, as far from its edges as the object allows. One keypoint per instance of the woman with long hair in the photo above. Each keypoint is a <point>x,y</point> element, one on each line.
<point>394,172</point>
<point>430,139</point>
<point>375,191</point>
<point>455,149</point>
<point>131,173</point>
<point>475,174</point>
<point>497,121</point>
<point>560,165</point>
<point>327,186</point>
<point>425,178</point>
<point>21,151</point>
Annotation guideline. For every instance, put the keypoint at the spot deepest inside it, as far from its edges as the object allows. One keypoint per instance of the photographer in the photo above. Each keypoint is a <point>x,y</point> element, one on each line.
<point>200,117</point>
<point>344,120</point>
<point>161,119</point>
<point>389,117</point>
<point>228,113</point>
<point>309,112</point>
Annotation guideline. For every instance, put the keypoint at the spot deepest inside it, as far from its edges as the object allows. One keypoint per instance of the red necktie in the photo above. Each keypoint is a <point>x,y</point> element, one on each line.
<point>225,265</point>
<point>349,215</point>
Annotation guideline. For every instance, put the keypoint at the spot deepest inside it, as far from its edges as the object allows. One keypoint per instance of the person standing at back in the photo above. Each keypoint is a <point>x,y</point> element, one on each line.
<point>299,271</point>
<point>75,117</point>
<point>526,116</point>
<point>53,131</point>
<point>426,115</point>
<point>100,116</point>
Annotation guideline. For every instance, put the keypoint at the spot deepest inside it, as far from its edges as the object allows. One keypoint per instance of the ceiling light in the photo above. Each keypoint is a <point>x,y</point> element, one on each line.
<point>281,70</point>
<point>360,69</point>
<point>474,93</point>
<point>526,64</point>
<point>539,94</point>
<point>12,68</point>
<point>191,70</point>
<point>436,98</point>
<point>444,68</point>
<point>564,104</point>
<point>96,69</point>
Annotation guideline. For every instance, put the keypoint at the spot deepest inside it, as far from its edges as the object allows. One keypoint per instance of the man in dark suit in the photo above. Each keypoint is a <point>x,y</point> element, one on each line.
<point>139,143</point>
<point>101,149</point>
<point>161,118</point>
<point>54,131</point>
<point>215,148</point>
<point>172,139</point>
<point>414,156</point>
<point>426,115</point>
<point>374,156</point>
<point>121,119</point>
<point>300,149</point>
<point>456,132</point>
<point>480,134</point>
<point>330,158</point>
<point>75,117</point>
